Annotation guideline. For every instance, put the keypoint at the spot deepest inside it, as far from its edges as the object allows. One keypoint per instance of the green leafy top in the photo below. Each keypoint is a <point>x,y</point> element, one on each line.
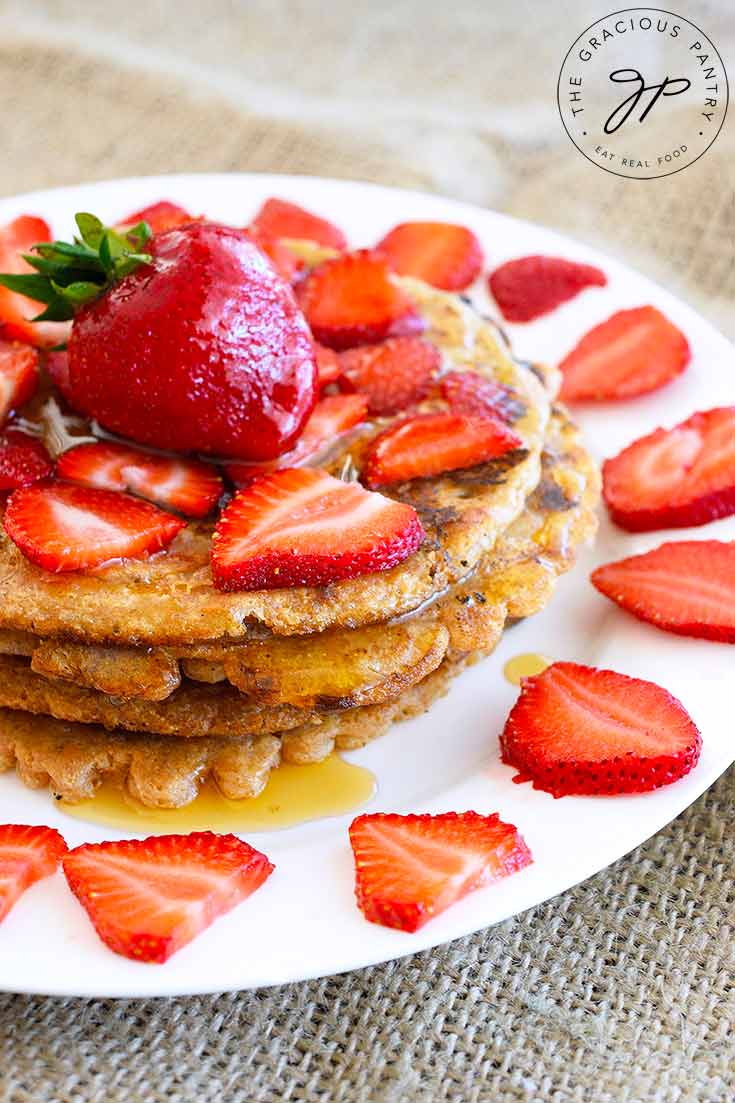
<point>70,274</point>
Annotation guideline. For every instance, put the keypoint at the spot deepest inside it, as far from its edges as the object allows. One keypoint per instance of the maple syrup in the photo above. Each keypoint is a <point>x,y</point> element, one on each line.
<point>525,666</point>
<point>293,795</point>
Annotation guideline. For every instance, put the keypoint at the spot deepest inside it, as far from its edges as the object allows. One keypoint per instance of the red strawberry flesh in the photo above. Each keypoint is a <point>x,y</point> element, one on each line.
<point>352,301</point>
<point>149,897</point>
<point>278,218</point>
<point>202,350</point>
<point>23,460</point>
<point>443,254</point>
<point>17,311</point>
<point>394,375</point>
<point>62,527</point>
<point>333,416</point>
<point>675,478</point>
<point>411,868</point>
<point>686,587</point>
<point>301,527</point>
<point>191,487</point>
<point>632,353</point>
<point>161,216</point>
<point>529,287</point>
<point>27,854</point>
<point>431,444</point>
<point>328,364</point>
<point>474,395</point>
<point>18,376</point>
<point>578,730</point>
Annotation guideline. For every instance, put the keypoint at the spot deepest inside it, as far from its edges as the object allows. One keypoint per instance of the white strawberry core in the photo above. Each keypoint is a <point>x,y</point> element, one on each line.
<point>80,525</point>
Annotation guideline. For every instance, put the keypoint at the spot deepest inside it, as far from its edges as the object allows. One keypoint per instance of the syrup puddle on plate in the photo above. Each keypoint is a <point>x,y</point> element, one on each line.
<point>293,795</point>
<point>525,666</point>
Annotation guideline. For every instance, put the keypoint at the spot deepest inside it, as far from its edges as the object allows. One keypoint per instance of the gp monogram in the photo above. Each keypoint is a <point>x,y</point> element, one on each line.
<point>642,93</point>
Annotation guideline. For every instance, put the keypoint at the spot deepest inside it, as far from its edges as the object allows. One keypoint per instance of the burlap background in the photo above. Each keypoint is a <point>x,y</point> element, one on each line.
<point>620,991</point>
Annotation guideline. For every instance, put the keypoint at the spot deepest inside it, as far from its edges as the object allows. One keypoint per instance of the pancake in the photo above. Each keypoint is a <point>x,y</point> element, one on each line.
<point>160,771</point>
<point>169,599</point>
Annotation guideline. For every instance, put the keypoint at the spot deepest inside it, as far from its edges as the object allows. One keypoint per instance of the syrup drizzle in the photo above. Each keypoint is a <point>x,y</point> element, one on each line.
<point>525,666</point>
<point>293,795</point>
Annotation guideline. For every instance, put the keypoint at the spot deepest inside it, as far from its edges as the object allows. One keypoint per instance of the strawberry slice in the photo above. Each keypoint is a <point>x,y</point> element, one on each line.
<point>632,353</point>
<point>23,460</point>
<point>409,869</point>
<point>352,300</point>
<point>160,216</point>
<point>394,375</point>
<point>18,376</point>
<point>441,253</point>
<point>578,730</point>
<point>278,219</point>
<point>286,263</point>
<point>529,287</point>
<point>16,310</point>
<point>328,365</point>
<point>686,587</point>
<point>27,855</point>
<point>301,527</point>
<point>149,897</point>
<point>331,417</point>
<point>191,487</point>
<point>61,527</point>
<point>431,444</point>
<point>675,478</point>
<point>473,395</point>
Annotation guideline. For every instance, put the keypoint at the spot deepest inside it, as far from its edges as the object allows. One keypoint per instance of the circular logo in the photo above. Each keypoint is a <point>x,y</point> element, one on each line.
<point>642,93</point>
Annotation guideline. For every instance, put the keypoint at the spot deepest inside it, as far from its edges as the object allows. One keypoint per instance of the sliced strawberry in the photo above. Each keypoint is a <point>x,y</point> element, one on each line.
<point>188,486</point>
<point>160,216</point>
<point>409,869</point>
<point>18,376</point>
<point>278,219</point>
<point>632,353</point>
<point>301,527</point>
<point>61,527</point>
<point>332,416</point>
<point>529,287</point>
<point>149,897</point>
<point>23,460</point>
<point>16,310</point>
<point>430,444</point>
<point>578,730</point>
<point>352,300</point>
<point>675,478</point>
<point>687,588</point>
<point>328,365</point>
<point>27,855</point>
<point>473,395</point>
<point>394,375</point>
<point>441,253</point>
<point>286,263</point>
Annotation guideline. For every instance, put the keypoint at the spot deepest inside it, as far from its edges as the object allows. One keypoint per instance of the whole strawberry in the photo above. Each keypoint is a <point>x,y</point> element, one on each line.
<point>187,341</point>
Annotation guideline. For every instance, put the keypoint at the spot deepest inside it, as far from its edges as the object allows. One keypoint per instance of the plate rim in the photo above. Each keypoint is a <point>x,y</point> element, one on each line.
<point>425,941</point>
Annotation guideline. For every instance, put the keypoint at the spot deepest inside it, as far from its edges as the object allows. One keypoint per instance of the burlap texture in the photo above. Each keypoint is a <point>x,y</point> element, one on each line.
<point>621,990</point>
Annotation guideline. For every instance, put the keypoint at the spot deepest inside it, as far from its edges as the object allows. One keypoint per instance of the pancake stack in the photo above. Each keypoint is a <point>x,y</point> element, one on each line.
<point>143,674</point>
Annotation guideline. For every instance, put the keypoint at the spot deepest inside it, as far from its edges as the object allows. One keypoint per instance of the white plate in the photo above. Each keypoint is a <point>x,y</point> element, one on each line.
<point>303,923</point>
